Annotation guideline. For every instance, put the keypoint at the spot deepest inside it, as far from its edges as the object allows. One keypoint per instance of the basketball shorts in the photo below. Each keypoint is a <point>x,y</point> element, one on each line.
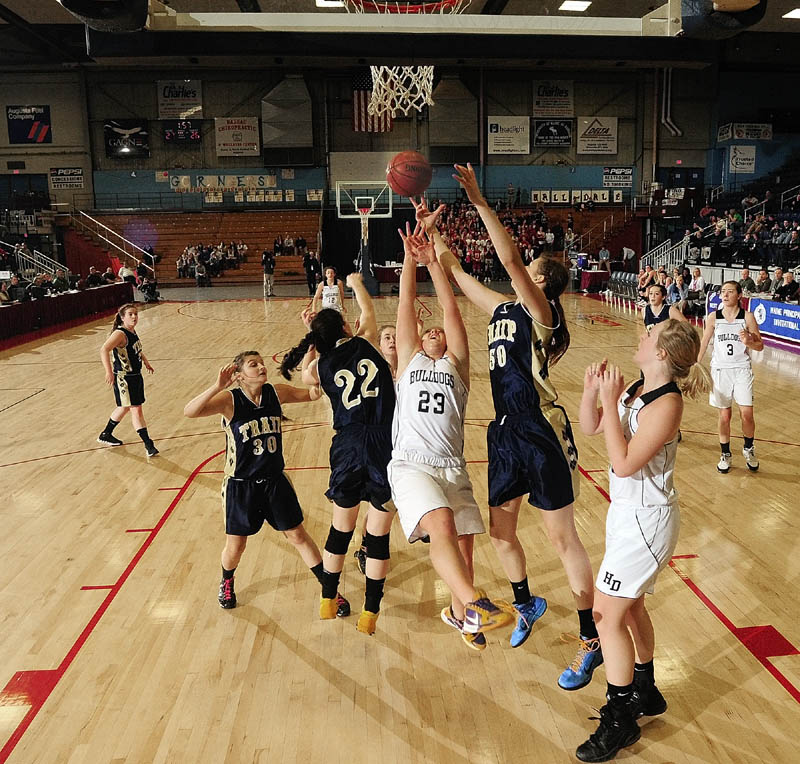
<point>128,389</point>
<point>731,385</point>
<point>639,543</point>
<point>249,503</point>
<point>359,456</point>
<point>533,453</point>
<point>420,488</point>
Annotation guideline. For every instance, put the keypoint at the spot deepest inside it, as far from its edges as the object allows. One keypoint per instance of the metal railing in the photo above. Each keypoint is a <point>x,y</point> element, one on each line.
<point>119,244</point>
<point>35,261</point>
<point>603,228</point>
<point>756,209</point>
<point>716,192</point>
<point>669,253</point>
<point>793,191</point>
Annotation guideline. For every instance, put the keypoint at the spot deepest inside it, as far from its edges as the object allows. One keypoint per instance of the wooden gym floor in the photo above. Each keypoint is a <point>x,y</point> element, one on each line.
<point>115,649</point>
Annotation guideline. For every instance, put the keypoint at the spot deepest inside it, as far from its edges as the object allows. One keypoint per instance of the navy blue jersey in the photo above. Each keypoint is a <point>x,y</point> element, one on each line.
<point>517,360</point>
<point>253,435</point>
<point>651,319</point>
<point>358,381</point>
<point>128,358</point>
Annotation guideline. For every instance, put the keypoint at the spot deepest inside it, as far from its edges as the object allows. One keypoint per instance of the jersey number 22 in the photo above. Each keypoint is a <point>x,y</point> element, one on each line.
<point>367,370</point>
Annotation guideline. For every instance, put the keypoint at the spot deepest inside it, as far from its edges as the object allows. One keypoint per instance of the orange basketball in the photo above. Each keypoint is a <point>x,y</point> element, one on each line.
<point>409,173</point>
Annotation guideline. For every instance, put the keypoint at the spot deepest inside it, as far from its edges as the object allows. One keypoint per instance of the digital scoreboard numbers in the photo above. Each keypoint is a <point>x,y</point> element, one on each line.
<point>182,131</point>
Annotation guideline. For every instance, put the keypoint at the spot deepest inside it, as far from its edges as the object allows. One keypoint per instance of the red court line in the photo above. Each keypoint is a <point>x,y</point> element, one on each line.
<point>34,687</point>
<point>600,488</point>
<point>92,588</point>
<point>424,305</point>
<point>762,642</point>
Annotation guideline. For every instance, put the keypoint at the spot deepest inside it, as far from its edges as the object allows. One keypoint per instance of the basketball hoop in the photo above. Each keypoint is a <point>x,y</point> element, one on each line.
<point>402,88</point>
<point>363,213</point>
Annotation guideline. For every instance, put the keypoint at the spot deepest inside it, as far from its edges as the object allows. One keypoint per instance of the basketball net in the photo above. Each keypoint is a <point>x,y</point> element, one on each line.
<point>363,213</point>
<point>402,88</point>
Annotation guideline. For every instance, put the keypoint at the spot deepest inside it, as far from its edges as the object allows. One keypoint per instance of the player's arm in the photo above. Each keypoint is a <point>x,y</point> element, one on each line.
<point>751,336</point>
<point>115,340</point>
<point>317,298</point>
<point>479,295</point>
<point>591,417</point>
<point>342,302</point>
<point>146,363</point>
<point>507,252</point>
<point>711,321</point>
<point>676,314</point>
<point>292,394</point>
<point>407,339</point>
<point>310,373</point>
<point>216,399</point>
<point>367,325</point>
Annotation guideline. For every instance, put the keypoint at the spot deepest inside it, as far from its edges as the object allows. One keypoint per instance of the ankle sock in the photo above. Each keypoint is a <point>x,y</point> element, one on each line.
<point>144,436</point>
<point>226,574</point>
<point>374,594</point>
<point>317,571</point>
<point>110,426</point>
<point>748,442</point>
<point>330,584</point>
<point>522,592</point>
<point>587,626</point>
<point>725,448</point>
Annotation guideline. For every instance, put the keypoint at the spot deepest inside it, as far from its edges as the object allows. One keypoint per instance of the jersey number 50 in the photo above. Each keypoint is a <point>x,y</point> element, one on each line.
<point>346,379</point>
<point>497,356</point>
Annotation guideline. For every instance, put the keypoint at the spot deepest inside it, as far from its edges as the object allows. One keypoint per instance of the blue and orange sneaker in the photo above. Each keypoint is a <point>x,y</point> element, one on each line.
<point>529,613</point>
<point>579,673</point>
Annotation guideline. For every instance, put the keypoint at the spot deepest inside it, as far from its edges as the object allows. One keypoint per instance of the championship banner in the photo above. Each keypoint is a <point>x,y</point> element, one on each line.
<point>237,136</point>
<point>742,160</point>
<point>618,177</point>
<point>66,178</point>
<point>224,183</point>
<point>509,135</point>
<point>29,124</point>
<point>553,98</point>
<point>597,135</point>
<point>552,132</point>
<point>126,138</point>
<point>180,99</point>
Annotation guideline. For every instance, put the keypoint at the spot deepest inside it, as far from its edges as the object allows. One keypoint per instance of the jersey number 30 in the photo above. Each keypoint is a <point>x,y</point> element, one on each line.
<point>346,379</point>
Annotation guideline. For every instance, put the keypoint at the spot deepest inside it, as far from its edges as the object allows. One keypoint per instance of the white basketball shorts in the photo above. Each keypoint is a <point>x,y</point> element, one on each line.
<point>731,384</point>
<point>420,488</point>
<point>639,543</point>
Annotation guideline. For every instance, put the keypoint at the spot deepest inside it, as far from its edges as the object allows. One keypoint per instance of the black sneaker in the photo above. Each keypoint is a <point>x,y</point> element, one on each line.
<point>151,449</point>
<point>108,439</point>
<point>618,729</point>
<point>361,559</point>
<point>648,700</point>
<point>342,606</point>
<point>227,596</point>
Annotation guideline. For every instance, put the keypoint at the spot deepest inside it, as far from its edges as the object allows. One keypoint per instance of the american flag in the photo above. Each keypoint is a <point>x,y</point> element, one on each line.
<point>363,121</point>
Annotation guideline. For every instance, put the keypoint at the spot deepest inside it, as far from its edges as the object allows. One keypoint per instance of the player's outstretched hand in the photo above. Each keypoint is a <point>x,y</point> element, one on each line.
<point>225,376</point>
<point>424,216</point>
<point>307,316</point>
<point>593,375</point>
<point>612,384</point>
<point>465,175</point>
<point>353,278</point>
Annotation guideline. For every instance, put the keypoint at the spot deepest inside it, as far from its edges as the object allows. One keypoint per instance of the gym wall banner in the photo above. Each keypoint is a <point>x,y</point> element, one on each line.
<point>126,138</point>
<point>509,135</point>
<point>742,159</point>
<point>553,98</point>
<point>29,124</point>
<point>618,177</point>
<point>180,99</point>
<point>66,178</point>
<point>237,136</point>
<point>597,135</point>
<point>776,318</point>
<point>552,132</point>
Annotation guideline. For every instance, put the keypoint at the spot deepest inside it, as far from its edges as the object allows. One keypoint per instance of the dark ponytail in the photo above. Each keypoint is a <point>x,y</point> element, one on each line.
<point>327,329</point>
<point>556,277</point>
<point>121,313</point>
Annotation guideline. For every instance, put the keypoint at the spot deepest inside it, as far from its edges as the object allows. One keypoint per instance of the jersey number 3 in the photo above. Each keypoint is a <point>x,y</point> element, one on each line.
<point>346,379</point>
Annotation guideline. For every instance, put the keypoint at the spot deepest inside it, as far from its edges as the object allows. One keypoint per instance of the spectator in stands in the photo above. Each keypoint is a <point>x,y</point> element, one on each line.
<point>769,203</point>
<point>108,276</point>
<point>793,247</point>
<point>16,291</point>
<point>794,205</point>
<point>749,201</point>
<point>268,264</point>
<point>94,279</point>
<point>777,279</point>
<point>311,267</point>
<point>241,250</point>
<point>288,245</point>
<point>215,264</point>
<point>788,289</point>
<point>126,274</point>
<point>277,246</point>
<point>60,282</point>
<point>149,290</point>
<point>201,275</point>
<point>764,283</point>
<point>5,297</point>
<point>724,248</point>
<point>680,293</point>
<point>746,283</point>
<point>35,289</point>
<point>697,285</point>
<point>181,265</point>
<point>510,195</point>
<point>647,277</point>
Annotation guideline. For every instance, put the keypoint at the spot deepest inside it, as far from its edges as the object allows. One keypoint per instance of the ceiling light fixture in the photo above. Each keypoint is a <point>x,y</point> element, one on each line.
<point>574,5</point>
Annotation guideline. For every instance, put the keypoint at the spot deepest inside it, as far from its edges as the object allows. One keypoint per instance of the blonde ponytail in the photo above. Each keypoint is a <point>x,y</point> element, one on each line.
<point>696,382</point>
<point>681,344</point>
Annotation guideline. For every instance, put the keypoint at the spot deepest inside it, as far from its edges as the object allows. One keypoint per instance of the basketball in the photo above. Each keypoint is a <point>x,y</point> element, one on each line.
<point>409,173</point>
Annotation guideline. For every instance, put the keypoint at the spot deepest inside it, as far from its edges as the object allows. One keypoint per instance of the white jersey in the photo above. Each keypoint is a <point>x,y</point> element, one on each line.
<point>728,351</point>
<point>651,485</point>
<point>331,298</point>
<point>428,425</point>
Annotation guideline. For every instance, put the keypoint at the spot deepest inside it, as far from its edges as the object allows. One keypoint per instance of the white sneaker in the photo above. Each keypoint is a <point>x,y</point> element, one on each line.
<point>724,463</point>
<point>751,459</point>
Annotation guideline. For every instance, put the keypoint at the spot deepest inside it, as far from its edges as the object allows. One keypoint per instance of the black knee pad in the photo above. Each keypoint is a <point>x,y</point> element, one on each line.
<point>377,546</point>
<point>338,541</point>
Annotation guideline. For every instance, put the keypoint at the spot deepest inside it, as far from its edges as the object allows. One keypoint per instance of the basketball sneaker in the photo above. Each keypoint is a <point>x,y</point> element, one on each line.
<point>227,596</point>
<point>648,700</point>
<point>529,613</point>
<point>367,622</point>
<point>361,559</point>
<point>327,608</point>
<point>617,730</point>
<point>472,641</point>
<point>724,464</point>
<point>108,439</point>
<point>751,459</point>
<point>579,673</point>
<point>342,606</point>
<point>484,615</point>
<point>151,449</point>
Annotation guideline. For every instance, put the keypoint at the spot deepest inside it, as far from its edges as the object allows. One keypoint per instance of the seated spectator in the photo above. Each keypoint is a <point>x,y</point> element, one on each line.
<point>788,290</point>
<point>300,245</point>
<point>749,201</point>
<point>16,291</point>
<point>149,289</point>
<point>35,289</point>
<point>141,271</point>
<point>763,283</point>
<point>777,279</point>
<point>5,297</point>
<point>288,245</point>
<point>647,278</point>
<point>277,246</point>
<point>241,249</point>
<point>201,275</point>
<point>680,293</point>
<point>181,266</point>
<point>94,279</point>
<point>127,274</point>
<point>697,286</point>
<point>746,283</point>
<point>60,282</point>
<point>108,276</point>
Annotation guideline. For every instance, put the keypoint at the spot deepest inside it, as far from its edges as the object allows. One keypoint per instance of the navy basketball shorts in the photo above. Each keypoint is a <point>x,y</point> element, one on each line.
<point>359,456</point>
<point>533,453</point>
<point>249,503</point>
<point>128,389</point>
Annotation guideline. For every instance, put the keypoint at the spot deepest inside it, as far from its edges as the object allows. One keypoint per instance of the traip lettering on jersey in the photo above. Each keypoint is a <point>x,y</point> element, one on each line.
<point>502,329</point>
<point>431,375</point>
<point>256,428</point>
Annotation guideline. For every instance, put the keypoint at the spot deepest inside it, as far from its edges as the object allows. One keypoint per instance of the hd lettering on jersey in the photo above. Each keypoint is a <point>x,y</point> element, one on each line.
<point>502,329</point>
<point>267,425</point>
<point>430,375</point>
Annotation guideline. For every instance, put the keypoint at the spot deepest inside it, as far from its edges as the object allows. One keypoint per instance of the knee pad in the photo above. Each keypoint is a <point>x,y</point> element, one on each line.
<point>338,541</point>
<point>377,546</point>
